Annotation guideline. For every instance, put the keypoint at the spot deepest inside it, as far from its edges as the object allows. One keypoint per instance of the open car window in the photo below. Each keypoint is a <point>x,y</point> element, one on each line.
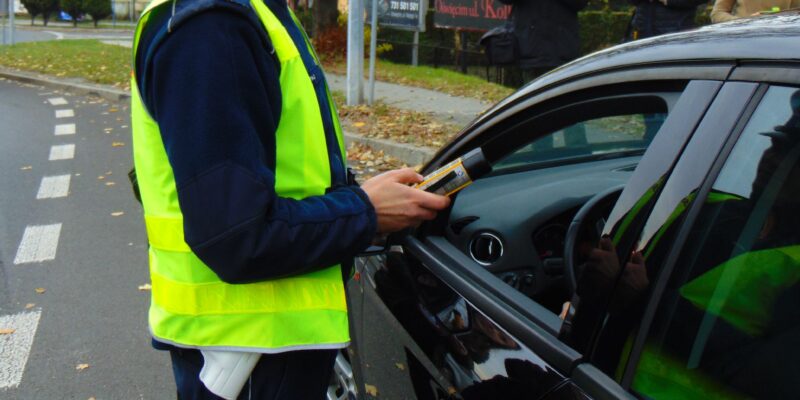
<point>513,223</point>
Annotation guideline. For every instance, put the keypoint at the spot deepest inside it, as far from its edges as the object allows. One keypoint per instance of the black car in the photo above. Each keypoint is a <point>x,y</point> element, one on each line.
<point>639,237</point>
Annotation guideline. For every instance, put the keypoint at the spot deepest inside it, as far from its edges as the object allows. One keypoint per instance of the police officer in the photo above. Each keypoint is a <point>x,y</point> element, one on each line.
<point>247,203</point>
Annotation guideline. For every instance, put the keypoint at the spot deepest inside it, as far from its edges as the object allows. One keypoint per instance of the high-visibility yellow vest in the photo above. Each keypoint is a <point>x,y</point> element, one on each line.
<point>191,307</point>
<point>742,291</point>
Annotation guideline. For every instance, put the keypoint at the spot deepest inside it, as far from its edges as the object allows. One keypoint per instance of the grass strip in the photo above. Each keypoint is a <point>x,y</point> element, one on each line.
<point>89,60</point>
<point>438,79</point>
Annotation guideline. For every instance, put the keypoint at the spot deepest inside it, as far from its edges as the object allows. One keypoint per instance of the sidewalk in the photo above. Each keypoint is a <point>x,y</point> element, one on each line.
<point>447,108</point>
<point>456,110</point>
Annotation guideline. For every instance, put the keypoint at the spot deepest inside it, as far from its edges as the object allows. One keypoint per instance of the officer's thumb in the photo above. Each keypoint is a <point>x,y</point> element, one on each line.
<point>405,176</point>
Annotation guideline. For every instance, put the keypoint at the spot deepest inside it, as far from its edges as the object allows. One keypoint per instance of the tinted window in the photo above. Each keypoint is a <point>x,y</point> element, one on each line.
<point>610,136</point>
<point>728,324</point>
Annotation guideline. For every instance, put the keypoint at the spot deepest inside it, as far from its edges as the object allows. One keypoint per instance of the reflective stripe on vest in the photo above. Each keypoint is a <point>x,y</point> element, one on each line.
<point>191,306</point>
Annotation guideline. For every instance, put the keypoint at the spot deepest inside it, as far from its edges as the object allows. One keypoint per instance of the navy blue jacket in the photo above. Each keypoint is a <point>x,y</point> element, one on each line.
<point>211,83</point>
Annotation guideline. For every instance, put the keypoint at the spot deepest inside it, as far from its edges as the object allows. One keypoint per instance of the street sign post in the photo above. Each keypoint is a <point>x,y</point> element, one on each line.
<point>7,16</point>
<point>397,14</point>
<point>407,15</point>
<point>355,53</point>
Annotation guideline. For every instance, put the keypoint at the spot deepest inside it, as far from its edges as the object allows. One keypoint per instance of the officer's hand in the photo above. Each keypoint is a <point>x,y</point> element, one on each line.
<point>398,205</point>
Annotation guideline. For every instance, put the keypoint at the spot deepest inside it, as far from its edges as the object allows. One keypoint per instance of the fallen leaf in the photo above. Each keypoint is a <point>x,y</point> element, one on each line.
<point>108,172</point>
<point>40,290</point>
<point>7,331</point>
<point>371,390</point>
<point>359,124</point>
<point>145,287</point>
<point>117,213</point>
<point>101,177</point>
<point>112,110</point>
<point>91,398</point>
<point>110,184</point>
<point>117,144</point>
<point>81,367</point>
<point>29,306</point>
<point>27,167</point>
<point>400,366</point>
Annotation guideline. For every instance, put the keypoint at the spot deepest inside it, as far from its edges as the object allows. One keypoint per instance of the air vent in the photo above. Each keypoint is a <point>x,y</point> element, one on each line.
<point>458,225</point>
<point>486,248</point>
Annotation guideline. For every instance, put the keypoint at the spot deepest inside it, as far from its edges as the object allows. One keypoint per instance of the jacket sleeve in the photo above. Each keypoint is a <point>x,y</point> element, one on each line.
<point>723,11</point>
<point>215,93</point>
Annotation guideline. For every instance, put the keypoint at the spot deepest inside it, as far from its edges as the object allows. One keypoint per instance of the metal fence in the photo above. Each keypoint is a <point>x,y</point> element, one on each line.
<point>441,48</point>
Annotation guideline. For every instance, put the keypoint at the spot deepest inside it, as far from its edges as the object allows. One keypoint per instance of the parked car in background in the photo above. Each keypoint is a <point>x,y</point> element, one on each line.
<point>637,238</point>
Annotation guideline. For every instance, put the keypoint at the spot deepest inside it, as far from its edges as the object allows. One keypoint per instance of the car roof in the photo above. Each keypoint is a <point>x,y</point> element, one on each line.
<point>767,38</point>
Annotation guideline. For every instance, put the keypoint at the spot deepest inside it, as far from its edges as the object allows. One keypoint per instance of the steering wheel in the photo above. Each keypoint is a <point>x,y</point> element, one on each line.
<point>576,226</point>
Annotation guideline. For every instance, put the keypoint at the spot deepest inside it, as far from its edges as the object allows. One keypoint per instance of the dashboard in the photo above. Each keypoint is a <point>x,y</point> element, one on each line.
<point>514,224</point>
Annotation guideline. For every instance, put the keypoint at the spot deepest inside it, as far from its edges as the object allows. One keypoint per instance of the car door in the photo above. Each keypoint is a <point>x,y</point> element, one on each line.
<point>645,221</point>
<point>435,323</point>
<point>722,246</point>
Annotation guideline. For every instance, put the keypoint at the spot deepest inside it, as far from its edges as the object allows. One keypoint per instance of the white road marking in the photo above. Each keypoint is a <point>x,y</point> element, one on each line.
<point>62,152</point>
<point>58,35</point>
<point>15,347</point>
<point>65,113</point>
<point>53,187</point>
<point>39,243</point>
<point>57,101</point>
<point>65,129</point>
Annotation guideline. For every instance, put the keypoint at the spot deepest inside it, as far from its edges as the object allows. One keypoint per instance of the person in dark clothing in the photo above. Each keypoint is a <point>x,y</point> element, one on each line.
<point>251,216</point>
<point>653,18</point>
<point>547,33</point>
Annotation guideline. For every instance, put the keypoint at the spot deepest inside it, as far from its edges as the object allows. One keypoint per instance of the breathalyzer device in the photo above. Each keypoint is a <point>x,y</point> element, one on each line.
<point>456,175</point>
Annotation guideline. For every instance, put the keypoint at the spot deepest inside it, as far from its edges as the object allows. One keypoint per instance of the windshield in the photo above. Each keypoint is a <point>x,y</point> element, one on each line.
<point>601,138</point>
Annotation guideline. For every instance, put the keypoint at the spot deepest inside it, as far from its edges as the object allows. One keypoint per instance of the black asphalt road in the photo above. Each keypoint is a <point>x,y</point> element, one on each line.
<point>92,311</point>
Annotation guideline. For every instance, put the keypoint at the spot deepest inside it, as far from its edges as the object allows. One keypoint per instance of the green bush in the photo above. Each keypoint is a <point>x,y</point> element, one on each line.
<point>601,29</point>
<point>75,9</point>
<point>40,7</point>
<point>98,9</point>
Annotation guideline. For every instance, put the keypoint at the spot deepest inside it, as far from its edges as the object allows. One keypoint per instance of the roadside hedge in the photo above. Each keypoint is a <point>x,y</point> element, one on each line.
<point>601,29</point>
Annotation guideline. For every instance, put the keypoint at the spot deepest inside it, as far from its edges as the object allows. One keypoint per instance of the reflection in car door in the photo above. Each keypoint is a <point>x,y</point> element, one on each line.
<point>426,341</point>
<point>659,229</point>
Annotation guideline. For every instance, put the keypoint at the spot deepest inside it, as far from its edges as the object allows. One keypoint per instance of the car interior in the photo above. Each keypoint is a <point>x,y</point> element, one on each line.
<point>547,166</point>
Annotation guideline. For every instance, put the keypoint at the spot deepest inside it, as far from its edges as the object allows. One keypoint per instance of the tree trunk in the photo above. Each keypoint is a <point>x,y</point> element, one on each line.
<point>325,15</point>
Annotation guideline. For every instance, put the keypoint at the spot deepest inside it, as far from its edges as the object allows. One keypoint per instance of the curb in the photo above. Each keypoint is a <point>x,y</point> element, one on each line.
<point>106,92</point>
<point>409,154</point>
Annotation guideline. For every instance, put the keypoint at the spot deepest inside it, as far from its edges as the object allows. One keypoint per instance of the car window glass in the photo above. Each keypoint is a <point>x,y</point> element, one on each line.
<point>607,136</point>
<point>727,325</point>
